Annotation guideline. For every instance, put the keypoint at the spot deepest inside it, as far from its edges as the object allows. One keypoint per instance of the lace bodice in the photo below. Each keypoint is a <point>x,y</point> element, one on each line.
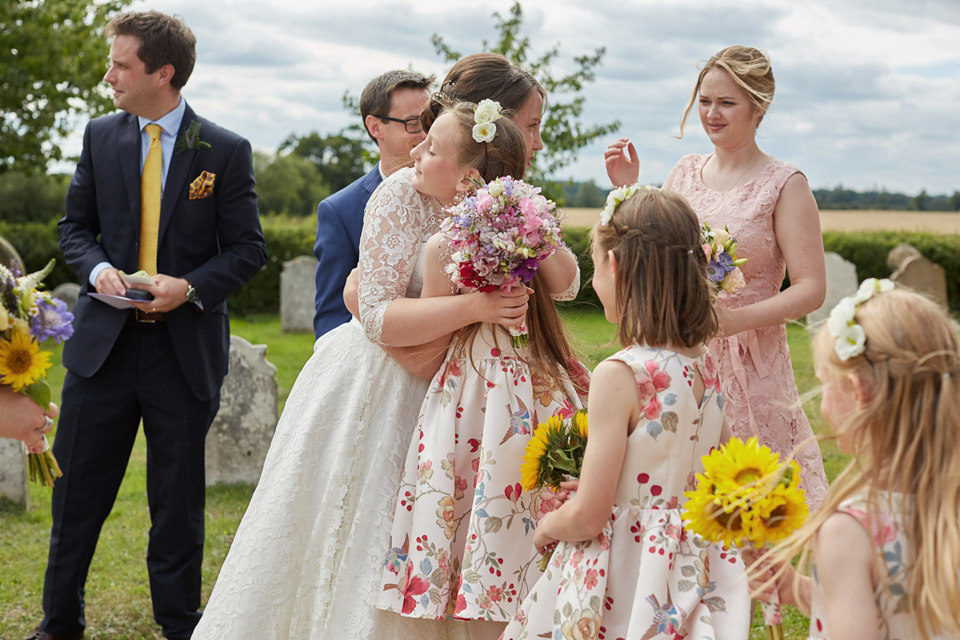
<point>748,212</point>
<point>397,221</point>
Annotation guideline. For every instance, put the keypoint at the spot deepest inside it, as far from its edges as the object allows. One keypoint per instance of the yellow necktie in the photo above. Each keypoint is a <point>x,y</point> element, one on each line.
<point>151,195</point>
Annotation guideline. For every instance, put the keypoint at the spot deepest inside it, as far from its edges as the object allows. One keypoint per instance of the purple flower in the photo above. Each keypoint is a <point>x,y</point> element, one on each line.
<point>526,269</point>
<point>715,272</point>
<point>52,320</point>
<point>725,261</point>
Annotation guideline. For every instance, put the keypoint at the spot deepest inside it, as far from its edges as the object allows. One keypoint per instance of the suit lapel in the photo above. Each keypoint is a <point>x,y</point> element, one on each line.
<point>128,148</point>
<point>177,174</point>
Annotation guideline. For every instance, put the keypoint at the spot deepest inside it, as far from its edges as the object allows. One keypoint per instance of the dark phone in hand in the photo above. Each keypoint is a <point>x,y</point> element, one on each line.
<point>138,294</point>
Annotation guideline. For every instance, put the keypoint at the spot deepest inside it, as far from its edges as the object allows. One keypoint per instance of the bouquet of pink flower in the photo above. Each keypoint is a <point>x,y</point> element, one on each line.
<point>723,266</point>
<point>29,317</point>
<point>498,235</point>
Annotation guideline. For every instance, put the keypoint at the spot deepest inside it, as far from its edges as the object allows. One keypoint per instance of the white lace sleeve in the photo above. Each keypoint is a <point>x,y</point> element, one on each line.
<point>389,248</point>
<point>574,287</point>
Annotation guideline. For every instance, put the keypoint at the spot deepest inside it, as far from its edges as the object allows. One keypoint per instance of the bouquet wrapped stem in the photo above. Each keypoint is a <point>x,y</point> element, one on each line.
<point>42,466</point>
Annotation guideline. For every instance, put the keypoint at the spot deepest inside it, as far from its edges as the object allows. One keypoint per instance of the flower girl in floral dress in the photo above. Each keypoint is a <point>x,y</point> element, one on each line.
<point>885,542</point>
<point>624,564</point>
<point>462,543</point>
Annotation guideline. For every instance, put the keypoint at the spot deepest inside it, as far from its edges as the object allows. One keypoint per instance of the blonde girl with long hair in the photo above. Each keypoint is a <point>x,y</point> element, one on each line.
<point>885,545</point>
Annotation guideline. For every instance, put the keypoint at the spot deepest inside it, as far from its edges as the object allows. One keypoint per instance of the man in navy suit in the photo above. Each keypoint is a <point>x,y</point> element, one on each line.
<point>390,106</point>
<point>163,361</point>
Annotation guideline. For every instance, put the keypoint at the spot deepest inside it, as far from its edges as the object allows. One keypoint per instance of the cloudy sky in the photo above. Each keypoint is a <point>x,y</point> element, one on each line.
<point>868,91</point>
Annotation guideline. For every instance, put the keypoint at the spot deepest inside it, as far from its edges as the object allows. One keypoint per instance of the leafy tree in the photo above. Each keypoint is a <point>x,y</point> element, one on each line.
<point>921,201</point>
<point>32,197</point>
<point>563,133</point>
<point>955,201</point>
<point>288,184</point>
<point>51,64</point>
<point>340,158</point>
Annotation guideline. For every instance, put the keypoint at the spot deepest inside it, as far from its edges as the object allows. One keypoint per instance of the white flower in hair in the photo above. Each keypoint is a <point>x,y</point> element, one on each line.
<point>484,117</point>
<point>618,196</point>
<point>850,336</point>
<point>487,111</point>
<point>484,131</point>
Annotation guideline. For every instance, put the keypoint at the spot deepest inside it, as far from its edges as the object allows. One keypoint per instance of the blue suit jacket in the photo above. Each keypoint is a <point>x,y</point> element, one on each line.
<point>339,223</point>
<point>215,242</point>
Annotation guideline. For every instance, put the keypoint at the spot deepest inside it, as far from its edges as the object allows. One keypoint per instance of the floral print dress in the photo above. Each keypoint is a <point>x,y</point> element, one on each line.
<point>463,527</point>
<point>646,575</point>
<point>883,524</point>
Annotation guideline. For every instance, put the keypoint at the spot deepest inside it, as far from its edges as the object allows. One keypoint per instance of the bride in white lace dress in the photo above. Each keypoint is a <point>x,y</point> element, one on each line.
<point>305,561</point>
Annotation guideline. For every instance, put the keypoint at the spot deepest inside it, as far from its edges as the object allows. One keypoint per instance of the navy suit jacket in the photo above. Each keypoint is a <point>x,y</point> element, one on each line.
<point>215,242</point>
<point>339,223</point>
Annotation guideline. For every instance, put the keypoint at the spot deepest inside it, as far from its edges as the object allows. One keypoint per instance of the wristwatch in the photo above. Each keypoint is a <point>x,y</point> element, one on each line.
<point>193,296</point>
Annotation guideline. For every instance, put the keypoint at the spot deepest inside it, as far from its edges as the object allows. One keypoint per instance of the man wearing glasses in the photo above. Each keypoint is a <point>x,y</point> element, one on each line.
<point>390,106</point>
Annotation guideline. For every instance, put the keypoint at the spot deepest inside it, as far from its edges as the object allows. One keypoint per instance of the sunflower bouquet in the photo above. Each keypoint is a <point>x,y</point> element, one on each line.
<point>498,235</point>
<point>747,496</point>
<point>29,317</point>
<point>554,454</point>
<point>723,266</point>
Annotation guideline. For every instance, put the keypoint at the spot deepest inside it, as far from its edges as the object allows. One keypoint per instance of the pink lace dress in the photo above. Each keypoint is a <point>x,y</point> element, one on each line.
<point>646,575</point>
<point>755,369</point>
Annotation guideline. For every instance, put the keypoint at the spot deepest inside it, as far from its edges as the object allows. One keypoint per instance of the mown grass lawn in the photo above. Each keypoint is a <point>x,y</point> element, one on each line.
<point>118,599</point>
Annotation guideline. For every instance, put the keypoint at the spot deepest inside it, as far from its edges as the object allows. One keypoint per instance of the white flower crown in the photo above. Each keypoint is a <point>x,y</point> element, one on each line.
<point>850,337</point>
<point>484,117</point>
<point>618,196</point>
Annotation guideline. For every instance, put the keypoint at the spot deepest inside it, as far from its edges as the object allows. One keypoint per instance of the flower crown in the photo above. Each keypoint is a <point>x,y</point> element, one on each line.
<point>484,117</point>
<point>850,336</point>
<point>616,197</point>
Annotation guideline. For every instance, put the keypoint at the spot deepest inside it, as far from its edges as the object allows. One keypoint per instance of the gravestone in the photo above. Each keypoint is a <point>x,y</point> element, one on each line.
<point>68,292</point>
<point>841,282</point>
<point>298,284</point>
<point>13,472</point>
<point>914,271</point>
<point>240,435</point>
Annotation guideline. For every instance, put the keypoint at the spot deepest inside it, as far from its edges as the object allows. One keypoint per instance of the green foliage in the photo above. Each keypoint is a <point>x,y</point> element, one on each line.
<point>36,242</point>
<point>286,239</point>
<point>51,64</point>
<point>563,133</point>
<point>841,198</point>
<point>32,196</point>
<point>340,158</point>
<point>868,250</point>
<point>288,184</point>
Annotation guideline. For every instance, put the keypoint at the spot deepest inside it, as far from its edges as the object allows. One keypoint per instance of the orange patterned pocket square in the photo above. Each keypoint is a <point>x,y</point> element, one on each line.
<point>202,187</point>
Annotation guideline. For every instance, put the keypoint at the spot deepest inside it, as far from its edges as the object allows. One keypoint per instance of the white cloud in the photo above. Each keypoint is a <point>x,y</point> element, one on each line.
<point>866,96</point>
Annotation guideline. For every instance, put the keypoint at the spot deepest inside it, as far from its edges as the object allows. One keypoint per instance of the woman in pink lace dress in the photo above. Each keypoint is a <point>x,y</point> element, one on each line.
<point>769,208</point>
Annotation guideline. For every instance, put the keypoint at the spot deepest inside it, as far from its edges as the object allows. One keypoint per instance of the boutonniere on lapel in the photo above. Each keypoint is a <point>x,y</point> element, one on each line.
<point>191,139</point>
<point>202,186</point>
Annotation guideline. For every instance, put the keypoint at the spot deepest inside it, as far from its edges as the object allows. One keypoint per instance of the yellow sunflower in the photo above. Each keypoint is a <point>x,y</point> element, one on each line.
<point>21,361</point>
<point>745,493</point>
<point>554,452</point>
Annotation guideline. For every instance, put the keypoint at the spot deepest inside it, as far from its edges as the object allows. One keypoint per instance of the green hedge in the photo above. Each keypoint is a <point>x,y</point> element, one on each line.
<point>288,238</point>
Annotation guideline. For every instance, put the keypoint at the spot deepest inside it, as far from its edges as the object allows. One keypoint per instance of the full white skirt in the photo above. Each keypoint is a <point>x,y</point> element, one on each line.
<point>306,559</point>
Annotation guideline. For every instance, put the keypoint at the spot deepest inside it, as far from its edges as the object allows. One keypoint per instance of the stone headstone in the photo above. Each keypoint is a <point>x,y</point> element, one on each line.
<point>13,472</point>
<point>240,435</point>
<point>298,285</point>
<point>920,274</point>
<point>68,292</point>
<point>841,282</point>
